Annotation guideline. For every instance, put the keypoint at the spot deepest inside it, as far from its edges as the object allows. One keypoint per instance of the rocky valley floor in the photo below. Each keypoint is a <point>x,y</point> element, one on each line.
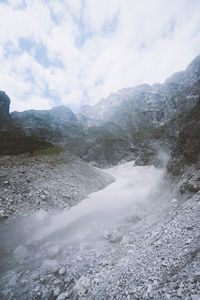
<point>29,183</point>
<point>131,240</point>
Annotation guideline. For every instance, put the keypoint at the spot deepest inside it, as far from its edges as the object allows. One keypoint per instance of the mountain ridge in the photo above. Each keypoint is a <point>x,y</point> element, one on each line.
<point>153,97</point>
<point>127,125</point>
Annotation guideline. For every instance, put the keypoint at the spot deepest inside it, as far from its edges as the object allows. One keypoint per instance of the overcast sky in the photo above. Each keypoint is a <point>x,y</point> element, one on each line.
<point>75,52</point>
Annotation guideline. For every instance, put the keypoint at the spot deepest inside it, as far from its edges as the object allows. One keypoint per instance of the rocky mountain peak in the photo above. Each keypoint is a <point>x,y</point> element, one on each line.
<point>187,77</point>
<point>177,77</point>
<point>192,72</point>
<point>39,118</point>
<point>136,108</point>
<point>64,113</point>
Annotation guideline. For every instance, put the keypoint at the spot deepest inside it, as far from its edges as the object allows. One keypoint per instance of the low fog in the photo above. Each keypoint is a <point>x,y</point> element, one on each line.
<point>100,218</point>
<point>131,190</point>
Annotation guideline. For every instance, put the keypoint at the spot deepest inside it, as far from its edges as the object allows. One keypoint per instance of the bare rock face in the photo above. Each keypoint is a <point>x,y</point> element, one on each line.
<point>151,116</point>
<point>144,106</point>
<point>4,110</point>
<point>54,119</point>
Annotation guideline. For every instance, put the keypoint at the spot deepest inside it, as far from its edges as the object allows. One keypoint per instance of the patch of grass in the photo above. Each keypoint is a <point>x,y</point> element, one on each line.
<point>48,151</point>
<point>14,141</point>
<point>141,133</point>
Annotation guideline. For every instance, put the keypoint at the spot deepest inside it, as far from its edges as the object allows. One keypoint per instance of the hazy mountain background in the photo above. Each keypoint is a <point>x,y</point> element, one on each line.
<point>135,123</point>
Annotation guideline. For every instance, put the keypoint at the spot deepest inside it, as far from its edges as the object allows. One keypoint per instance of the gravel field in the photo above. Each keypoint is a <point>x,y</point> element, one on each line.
<point>28,184</point>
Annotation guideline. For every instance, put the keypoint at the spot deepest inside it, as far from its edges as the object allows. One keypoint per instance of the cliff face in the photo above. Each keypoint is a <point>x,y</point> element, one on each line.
<point>103,143</point>
<point>49,124</point>
<point>4,110</point>
<point>145,106</point>
<point>184,163</point>
<point>153,117</point>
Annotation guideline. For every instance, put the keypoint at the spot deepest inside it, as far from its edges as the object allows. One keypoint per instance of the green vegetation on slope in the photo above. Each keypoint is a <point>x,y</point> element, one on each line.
<point>14,141</point>
<point>48,151</point>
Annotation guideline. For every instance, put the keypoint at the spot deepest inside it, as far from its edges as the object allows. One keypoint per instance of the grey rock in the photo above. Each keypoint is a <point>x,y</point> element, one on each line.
<point>179,292</point>
<point>63,296</point>
<point>195,297</point>
<point>56,292</point>
<point>82,286</point>
<point>2,213</point>
<point>43,197</point>
<point>37,289</point>
<point>50,265</point>
<point>149,289</point>
<point>62,271</point>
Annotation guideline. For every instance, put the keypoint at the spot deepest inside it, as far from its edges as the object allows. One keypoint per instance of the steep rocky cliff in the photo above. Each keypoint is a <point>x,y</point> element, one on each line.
<point>152,116</point>
<point>184,163</point>
<point>47,123</point>
<point>146,106</point>
<point>4,110</point>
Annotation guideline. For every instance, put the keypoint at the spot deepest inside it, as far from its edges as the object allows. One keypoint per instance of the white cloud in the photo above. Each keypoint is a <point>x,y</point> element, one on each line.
<point>15,3</point>
<point>92,48</point>
<point>33,102</point>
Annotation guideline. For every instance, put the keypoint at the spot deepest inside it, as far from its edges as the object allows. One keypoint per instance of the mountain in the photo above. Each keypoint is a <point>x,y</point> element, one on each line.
<point>13,136</point>
<point>141,123</point>
<point>4,110</point>
<point>151,116</point>
<point>145,106</point>
<point>59,129</point>
<point>39,118</point>
<point>58,125</point>
<point>107,144</point>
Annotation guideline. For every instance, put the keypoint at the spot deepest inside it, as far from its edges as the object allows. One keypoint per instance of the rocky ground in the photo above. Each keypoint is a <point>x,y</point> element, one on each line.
<point>162,259</point>
<point>152,253</point>
<point>29,183</point>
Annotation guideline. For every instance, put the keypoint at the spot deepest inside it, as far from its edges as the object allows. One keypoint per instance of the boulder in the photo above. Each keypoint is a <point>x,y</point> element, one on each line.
<point>82,286</point>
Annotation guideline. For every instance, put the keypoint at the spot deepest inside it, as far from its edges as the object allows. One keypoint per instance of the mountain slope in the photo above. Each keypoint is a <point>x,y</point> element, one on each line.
<point>138,108</point>
<point>151,116</point>
<point>58,129</point>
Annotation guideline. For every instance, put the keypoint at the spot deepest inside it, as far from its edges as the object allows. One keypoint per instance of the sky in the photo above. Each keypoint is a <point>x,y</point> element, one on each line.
<point>75,52</point>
